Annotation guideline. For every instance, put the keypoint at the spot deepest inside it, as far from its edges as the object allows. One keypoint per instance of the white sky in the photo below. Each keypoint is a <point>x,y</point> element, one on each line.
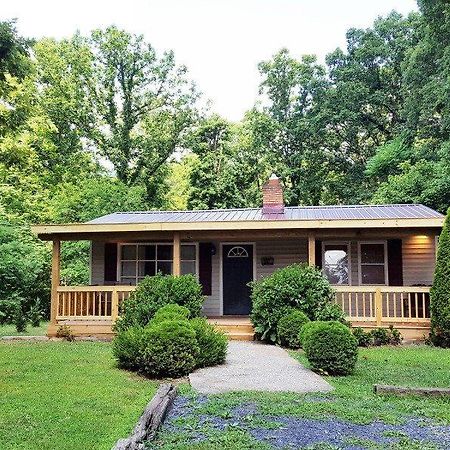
<point>220,41</point>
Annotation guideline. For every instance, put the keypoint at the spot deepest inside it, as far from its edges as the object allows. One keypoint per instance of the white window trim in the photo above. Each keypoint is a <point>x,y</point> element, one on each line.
<point>349,252</point>
<point>386,273</point>
<point>136,277</point>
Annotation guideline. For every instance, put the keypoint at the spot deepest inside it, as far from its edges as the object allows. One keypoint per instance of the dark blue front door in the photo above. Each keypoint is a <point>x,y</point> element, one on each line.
<point>237,272</point>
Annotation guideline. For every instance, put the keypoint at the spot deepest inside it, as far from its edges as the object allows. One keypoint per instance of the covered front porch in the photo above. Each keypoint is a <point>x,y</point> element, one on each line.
<point>341,254</point>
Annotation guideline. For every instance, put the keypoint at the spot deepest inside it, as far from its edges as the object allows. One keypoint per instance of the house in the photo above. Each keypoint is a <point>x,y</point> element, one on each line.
<point>380,259</point>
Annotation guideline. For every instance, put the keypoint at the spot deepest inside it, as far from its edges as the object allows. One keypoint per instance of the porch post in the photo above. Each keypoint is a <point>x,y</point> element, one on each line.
<point>176,254</point>
<point>311,250</point>
<point>56,256</point>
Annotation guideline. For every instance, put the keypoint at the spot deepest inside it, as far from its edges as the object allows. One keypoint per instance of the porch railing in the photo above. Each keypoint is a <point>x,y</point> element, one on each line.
<point>371,305</point>
<point>90,302</point>
<point>378,305</point>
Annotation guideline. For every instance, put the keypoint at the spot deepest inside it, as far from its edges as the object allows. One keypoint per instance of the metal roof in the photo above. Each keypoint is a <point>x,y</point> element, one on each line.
<point>300,213</point>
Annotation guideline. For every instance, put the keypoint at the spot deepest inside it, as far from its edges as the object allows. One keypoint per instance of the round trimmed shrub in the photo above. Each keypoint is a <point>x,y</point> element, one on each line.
<point>169,349</point>
<point>307,330</point>
<point>127,346</point>
<point>212,342</point>
<point>289,327</point>
<point>298,286</point>
<point>152,293</point>
<point>331,347</point>
<point>170,312</point>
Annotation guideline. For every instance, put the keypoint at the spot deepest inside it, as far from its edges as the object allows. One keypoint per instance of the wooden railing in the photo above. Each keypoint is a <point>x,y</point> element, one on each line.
<point>379,305</point>
<point>90,302</point>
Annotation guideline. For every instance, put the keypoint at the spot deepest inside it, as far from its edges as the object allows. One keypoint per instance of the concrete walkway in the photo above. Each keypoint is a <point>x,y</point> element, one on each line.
<point>252,366</point>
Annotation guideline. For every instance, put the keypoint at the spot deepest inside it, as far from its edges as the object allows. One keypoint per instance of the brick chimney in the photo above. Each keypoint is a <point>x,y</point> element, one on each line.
<point>272,191</point>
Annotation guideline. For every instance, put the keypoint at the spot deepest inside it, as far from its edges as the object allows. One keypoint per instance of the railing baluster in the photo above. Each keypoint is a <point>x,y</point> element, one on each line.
<point>417,304</point>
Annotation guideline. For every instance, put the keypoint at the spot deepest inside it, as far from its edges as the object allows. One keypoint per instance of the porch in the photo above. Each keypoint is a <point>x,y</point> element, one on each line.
<point>92,310</point>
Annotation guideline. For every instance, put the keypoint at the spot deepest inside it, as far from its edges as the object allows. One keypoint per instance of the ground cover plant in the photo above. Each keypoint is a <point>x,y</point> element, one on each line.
<point>352,412</point>
<point>60,395</point>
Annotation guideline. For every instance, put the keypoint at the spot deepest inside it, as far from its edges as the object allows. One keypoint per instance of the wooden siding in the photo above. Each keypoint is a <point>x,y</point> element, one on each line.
<point>419,259</point>
<point>284,252</point>
<point>97,262</point>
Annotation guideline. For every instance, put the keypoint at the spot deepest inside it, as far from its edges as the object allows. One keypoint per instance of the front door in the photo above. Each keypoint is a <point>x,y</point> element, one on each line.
<point>237,272</point>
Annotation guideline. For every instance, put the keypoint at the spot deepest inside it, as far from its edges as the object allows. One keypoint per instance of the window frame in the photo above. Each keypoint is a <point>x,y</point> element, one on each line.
<point>136,277</point>
<point>386,265</point>
<point>349,253</point>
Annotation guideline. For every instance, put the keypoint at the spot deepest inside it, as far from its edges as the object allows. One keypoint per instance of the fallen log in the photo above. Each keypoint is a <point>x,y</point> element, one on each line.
<point>151,419</point>
<point>399,390</point>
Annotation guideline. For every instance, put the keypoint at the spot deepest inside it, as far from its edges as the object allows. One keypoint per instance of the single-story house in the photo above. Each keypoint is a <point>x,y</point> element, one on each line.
<point>379,258</point>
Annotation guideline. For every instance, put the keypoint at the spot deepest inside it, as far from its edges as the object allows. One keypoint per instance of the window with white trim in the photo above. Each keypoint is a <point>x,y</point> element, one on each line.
<point>335,262</point>
<point>373,263</point>
<point>137,261</point>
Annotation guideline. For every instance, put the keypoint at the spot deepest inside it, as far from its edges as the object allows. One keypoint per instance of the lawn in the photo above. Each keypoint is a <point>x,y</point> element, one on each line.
<point>231,420</point>
<point>61,395</point>
<point>10,330</point>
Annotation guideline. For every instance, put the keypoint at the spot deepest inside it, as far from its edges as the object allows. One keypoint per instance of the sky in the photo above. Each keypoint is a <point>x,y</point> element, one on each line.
<point>220,41</point>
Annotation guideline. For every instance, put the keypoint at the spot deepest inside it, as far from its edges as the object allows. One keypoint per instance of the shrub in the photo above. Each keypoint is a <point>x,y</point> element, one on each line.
<point>386,336</point>
<point>307,330</point>
<point>297,286</point>
<point>35,314</point>
<point>169,349</point>
<point>171,311</point>
<point>440,291</point>
<point>20,319</point>
<point>154,292</point>
<point>331,348</point>
<point>332,312</point>
<point>65,332</point>
<point>127,347</point>
<point>8,310</point>
<point>212,342</point>
<point>289,327</point>
<point>364,339</point>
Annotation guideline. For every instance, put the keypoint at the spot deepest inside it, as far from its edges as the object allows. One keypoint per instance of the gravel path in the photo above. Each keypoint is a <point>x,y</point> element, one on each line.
<point>252,366</point>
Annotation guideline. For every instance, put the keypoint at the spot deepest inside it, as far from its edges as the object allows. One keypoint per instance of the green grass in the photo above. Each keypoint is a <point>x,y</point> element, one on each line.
<point>10,330</point>
<point>352,399</point>
<point>61,395</point>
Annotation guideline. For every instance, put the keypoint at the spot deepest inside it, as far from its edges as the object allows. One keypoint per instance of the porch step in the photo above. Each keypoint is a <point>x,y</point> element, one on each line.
<point>236,328</point>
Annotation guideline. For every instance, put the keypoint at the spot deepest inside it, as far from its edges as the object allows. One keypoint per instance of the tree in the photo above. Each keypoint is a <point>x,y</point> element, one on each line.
<point>120,100</point>
<point>440,291</point>
<point>217,177</point>
<point>288,126</point>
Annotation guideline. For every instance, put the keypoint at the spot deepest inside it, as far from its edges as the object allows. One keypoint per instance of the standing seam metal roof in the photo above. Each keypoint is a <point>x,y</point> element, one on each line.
<point>344,212</point>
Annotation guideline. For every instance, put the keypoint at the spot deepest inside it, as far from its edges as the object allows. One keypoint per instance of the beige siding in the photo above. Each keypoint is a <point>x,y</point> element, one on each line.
<point>211,307</point>
<point>97,262</point>
<point>284,252</point>
<point>418,260</point>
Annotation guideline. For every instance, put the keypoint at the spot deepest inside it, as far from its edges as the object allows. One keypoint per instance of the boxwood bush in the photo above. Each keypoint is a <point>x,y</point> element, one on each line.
<point>330,348</point>
<point>298,286</point>
<point>289,327</point>
<point>170,345</point>
<point>154,292</point>
<point>169,349</point>
<point>172,311</point>
<point>212,342</point>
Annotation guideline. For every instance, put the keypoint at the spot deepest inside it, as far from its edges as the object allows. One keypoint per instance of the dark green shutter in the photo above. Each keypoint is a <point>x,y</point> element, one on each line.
<point>395,262</point>
<point>110,262</point>
<point>205,267</point>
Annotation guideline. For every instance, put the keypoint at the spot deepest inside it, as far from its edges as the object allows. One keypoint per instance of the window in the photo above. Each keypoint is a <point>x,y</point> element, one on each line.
<point>335,260</point>
<point>140,260</point>
<point>372,263</point>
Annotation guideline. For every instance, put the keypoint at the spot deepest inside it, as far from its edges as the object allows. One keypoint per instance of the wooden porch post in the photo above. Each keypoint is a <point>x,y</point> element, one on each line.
<point>176,254</point>
<point>378,306</point>
<point>311,250</point>
<point>56,256</point>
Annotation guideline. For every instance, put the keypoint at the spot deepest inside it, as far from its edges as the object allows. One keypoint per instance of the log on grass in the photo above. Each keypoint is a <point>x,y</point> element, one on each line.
<point>151,419</point>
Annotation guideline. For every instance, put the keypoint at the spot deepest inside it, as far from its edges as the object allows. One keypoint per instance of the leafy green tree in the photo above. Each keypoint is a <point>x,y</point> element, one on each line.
<point>440,292</point>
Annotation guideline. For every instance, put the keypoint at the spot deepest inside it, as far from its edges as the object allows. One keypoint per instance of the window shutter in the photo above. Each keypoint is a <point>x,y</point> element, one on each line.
<point>319,254</point>
<point>205,267</point>
<point>395,262</point>
<point>110,262</point>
